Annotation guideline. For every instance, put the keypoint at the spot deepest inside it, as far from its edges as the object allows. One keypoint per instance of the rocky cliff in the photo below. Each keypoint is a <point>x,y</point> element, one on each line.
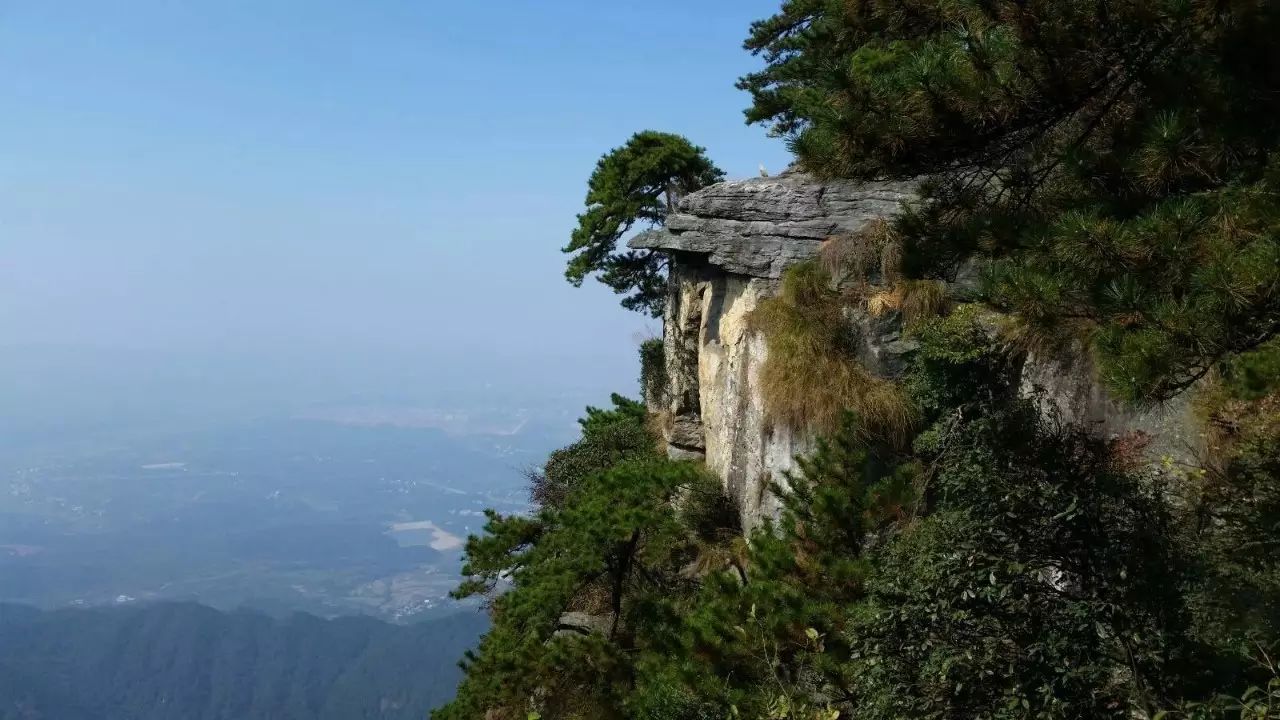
<point>729,246</point>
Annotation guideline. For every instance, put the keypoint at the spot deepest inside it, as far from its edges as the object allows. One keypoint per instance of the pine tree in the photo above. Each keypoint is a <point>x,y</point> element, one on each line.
<point>771,632</point>
<point>607,547</point>
<point>635,187</point>
<point>1111,166</point>
<point>1115,158</point>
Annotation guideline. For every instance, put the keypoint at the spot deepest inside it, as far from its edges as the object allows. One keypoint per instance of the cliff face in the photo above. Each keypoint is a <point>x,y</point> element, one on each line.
<point>729,246</point>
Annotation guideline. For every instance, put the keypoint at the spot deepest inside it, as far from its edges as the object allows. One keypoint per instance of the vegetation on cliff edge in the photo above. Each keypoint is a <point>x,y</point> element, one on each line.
<point>635,186</point>
<point>1112,167</point>
<point>1114,160</point>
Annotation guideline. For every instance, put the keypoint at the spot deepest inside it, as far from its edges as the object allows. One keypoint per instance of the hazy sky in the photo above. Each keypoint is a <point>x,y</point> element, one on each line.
<point>376,176</point>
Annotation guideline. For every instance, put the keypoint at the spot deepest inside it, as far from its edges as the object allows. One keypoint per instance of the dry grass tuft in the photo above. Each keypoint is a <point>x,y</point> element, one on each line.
<point>872,255</point>
<point>1228,421</point>
<point>924,299</point>
<point>917,300</point>
<point>868,266</point>
<point>731,553</point>
<point>812,375</point>
<point>1066,341</point>
<point>594,599</point>
<point>660,424</point>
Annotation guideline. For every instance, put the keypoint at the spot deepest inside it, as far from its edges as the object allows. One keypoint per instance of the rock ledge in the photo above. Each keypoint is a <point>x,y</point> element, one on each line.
<point>762,226</point>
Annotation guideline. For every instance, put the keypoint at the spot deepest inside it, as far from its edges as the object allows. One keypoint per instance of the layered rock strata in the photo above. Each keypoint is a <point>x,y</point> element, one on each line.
<point>729,245</point>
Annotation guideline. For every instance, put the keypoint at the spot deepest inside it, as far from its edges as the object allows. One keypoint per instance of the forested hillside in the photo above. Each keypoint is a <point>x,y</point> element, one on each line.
<point>1098,184</point>
<point>183,660</point>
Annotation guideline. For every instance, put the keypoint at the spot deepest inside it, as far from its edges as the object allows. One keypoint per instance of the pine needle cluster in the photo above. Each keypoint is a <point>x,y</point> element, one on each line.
<point>1115,161</point>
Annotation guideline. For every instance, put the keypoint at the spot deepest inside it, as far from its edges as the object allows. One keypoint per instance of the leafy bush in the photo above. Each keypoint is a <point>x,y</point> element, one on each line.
<point>1040,581</point>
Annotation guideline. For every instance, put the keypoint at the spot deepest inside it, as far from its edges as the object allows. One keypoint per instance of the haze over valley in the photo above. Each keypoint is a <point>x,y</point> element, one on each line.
<point>332,505</point>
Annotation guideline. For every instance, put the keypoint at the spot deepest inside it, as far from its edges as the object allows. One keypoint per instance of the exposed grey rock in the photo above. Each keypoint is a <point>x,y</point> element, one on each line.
<point>881,345</point>
<point>762,226</point>
<point>581,623</point>
<point>686,432</point>
<point>713,364</point>
<point>1067,387</point>
<point>681,338</point>
<point>729,245</point>
<point>675,452</point>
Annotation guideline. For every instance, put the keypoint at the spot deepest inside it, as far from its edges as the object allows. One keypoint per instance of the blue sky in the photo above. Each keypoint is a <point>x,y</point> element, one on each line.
<point>322,176</point>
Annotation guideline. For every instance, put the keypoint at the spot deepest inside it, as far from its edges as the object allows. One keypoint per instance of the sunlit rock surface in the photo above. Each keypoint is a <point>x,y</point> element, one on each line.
<point>729,245</point>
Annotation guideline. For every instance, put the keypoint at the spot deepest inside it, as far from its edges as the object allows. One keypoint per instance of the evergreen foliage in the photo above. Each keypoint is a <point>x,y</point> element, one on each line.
<point>611,551</point>
<point>1006,567</point>
<point>1001,565</point>
<point>608,438</point>
<point>635,186</point>
<point>1116,159</point>
<point>959,552</point>
<point>771,636</point>
<point>1236,501</point>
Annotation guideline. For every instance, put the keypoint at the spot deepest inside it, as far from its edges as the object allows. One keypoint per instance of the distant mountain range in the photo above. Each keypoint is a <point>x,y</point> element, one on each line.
<point>172,661</point>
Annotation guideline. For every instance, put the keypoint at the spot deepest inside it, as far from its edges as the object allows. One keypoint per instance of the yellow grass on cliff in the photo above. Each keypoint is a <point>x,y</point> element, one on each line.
<point>812,374</point>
